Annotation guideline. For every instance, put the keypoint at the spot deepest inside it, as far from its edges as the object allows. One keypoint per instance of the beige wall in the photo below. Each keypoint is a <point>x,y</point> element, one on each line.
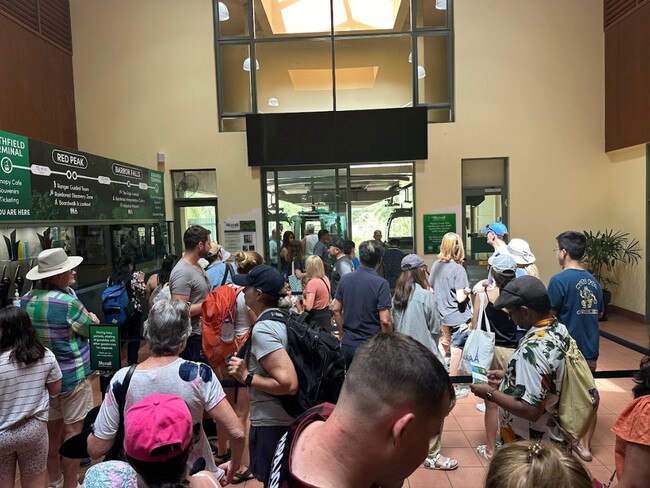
<point>629,215</point>
<point>529,86</point>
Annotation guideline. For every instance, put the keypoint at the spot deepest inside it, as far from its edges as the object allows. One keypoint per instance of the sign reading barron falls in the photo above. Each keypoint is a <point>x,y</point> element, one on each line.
<point>40,181</point>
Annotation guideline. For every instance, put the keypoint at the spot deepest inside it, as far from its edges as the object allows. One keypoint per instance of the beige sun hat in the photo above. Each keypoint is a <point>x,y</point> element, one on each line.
<point>520,251</point>
<point>52,262</point>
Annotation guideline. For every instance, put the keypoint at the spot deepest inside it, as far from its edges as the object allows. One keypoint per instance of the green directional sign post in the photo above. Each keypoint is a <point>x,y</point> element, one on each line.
<point>435,227</point>
<point>15,182</point>
<point>105,347</point>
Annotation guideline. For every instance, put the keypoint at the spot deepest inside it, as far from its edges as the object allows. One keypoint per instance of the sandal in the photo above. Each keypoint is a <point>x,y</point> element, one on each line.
<point>433,463</point>
<point>584,454</point>
<point>220,459</point>
<point>482,451</point>
<point>242,477</point>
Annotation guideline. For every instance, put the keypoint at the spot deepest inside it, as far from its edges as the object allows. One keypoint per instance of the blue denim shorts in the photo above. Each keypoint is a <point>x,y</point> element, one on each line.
<point>459,336</point>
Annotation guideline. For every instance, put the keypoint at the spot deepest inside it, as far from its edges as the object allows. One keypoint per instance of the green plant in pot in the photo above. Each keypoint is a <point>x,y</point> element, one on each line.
<point>606,250</point>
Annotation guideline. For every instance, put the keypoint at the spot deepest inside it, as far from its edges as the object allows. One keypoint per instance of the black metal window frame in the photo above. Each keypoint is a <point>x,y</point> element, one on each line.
<point>251,41</point>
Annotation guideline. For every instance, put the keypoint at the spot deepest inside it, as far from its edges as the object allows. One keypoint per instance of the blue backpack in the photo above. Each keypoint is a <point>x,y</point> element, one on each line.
<point>116,304</point>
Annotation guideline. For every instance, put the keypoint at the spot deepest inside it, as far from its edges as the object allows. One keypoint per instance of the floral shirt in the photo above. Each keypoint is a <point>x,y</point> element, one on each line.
<point>534,375</point>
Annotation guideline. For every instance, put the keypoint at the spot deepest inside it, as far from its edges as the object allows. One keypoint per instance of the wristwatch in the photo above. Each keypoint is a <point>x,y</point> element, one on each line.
<point>489,396</point>
<point>249,379</point>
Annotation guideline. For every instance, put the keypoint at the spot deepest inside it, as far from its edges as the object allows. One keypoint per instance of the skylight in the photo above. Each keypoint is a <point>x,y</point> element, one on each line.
<point>313,16</point>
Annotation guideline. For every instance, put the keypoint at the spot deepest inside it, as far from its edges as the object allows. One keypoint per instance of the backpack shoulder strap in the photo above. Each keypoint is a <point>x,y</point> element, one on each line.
<point>225,273</point>
<point>328,288</point>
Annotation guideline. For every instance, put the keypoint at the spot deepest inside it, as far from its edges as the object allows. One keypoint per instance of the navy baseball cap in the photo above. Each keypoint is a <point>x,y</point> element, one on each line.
<point>497,227</point>
<point>265,278</point>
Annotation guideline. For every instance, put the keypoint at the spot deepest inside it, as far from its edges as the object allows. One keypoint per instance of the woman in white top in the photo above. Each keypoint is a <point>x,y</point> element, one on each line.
<point>167,330</point>
<point>29,375</point>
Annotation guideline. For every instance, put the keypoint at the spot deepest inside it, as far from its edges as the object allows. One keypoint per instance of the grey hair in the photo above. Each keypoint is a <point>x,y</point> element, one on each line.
<point>167,327</point>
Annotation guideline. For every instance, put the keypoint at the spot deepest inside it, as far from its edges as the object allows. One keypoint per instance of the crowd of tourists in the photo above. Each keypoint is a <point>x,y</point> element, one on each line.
<point>219,370</point>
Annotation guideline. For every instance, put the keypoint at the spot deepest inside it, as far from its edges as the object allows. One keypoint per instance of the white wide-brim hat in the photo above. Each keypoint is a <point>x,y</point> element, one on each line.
<point>520,251</point>
<point>52,262</point>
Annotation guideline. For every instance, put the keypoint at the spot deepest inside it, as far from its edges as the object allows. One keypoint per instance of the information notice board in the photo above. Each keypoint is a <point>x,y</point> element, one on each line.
<point>105,347</point>
<point>41,181</point>
<point>435,227</point>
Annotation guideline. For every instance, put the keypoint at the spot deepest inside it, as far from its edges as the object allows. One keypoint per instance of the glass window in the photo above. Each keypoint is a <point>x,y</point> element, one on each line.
<point>373,72</point>
<point>235,78</point>
<point>294,76</point>
<point>432,69</point>
<point>231,18</point>
<point>275,56</point>
<point>431,13</point>
<point>194,184</point>
<point>233,124</point>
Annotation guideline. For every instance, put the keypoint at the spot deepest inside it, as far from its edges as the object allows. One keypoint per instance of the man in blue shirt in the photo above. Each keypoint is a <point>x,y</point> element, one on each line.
<point>577,298</point>
<point>361,306</point>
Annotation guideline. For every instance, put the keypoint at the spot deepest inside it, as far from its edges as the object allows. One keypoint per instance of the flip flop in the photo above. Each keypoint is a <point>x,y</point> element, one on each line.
<point>448,465</point>
<point>220,459</point>
<point>242,477</point>
<point>583,453</point>
<point>482,451</point>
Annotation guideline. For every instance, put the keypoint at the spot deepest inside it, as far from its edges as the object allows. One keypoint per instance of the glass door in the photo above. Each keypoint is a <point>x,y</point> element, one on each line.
<point>194,213</point>
<point>484,201</point>
<point>298,200</point>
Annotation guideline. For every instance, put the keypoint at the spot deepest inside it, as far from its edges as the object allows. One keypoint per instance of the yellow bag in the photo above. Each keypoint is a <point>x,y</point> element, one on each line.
<point>579,397</point>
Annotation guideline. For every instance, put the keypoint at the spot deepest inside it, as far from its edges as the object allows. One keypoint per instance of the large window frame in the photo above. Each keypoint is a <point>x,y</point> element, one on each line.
<point>236,120</point>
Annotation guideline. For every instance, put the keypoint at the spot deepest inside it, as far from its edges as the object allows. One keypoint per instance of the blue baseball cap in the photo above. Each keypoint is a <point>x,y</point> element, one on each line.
<point>497,227</point>
<point>265,278</point>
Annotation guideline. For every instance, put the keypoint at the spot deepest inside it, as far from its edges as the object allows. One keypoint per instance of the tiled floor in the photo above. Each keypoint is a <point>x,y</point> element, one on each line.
<point>464,430</point>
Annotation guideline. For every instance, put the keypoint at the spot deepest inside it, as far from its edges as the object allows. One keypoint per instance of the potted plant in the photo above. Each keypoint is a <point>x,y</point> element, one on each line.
<point>605,250</point>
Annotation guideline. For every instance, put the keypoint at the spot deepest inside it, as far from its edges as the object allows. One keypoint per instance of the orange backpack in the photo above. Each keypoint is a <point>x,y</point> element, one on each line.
<point>219,305</point>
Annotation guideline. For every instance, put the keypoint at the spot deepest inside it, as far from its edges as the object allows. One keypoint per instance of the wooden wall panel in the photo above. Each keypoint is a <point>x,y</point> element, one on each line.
<point>36,86</point>
<point>627,80</point>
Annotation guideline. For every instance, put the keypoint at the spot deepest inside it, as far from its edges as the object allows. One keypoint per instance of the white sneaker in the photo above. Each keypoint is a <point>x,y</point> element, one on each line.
<point>461,392</point>
<point>480,407</point>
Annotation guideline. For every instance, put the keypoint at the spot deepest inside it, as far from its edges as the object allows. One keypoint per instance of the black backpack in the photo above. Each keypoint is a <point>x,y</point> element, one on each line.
<point>317,358</point>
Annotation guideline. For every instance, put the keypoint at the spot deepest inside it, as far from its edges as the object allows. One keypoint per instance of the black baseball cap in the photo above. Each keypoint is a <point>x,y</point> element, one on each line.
<point>263,277</point>
<point>520,291</point>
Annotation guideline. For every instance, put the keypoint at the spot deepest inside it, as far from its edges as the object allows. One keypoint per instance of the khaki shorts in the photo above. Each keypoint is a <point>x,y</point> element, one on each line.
<point>501,357</point>
<point>73,406</point>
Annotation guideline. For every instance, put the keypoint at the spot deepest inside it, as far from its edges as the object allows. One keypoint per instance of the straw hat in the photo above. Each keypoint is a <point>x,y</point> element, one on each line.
<point>214,250</point>
<point>52,262</point>
<point>520,251</point>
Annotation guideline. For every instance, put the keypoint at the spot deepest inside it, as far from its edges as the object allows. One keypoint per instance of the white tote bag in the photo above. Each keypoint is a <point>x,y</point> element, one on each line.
<point>479,348</point>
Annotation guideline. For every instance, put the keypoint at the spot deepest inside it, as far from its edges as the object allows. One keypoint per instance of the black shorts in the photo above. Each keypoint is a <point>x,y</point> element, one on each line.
<point>262,442</point>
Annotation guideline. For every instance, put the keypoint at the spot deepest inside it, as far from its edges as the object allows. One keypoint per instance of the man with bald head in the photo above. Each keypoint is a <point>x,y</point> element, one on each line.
<point>394,400</point>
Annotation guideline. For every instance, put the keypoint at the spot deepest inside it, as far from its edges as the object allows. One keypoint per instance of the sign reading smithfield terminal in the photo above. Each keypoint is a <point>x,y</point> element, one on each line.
<point>40,181</point>
<point>435,227</point>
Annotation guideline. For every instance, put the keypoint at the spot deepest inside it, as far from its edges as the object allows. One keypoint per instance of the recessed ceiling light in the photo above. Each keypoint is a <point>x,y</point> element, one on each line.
<point>441,4</point>
<point>421,72</point>
<point>411,58</point>
<point>274,102</point>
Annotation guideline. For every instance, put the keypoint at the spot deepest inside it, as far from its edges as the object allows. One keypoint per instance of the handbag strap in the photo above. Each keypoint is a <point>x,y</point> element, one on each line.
<point>121,401</point>
<point>482,312</point>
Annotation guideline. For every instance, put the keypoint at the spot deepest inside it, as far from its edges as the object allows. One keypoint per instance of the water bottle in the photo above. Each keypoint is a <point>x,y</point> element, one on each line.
<point>227,331</point>
<point>16,300</point>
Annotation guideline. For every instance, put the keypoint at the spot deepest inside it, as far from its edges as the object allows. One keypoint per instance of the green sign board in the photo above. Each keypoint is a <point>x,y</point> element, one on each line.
<point>40,181</point>
<point>15,182</point>
<point>105,347</point>
<point>435,227</point>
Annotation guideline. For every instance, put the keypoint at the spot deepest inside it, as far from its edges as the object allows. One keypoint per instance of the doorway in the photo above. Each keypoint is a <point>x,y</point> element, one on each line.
<point>485,200</point>
<point>348,200</point>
